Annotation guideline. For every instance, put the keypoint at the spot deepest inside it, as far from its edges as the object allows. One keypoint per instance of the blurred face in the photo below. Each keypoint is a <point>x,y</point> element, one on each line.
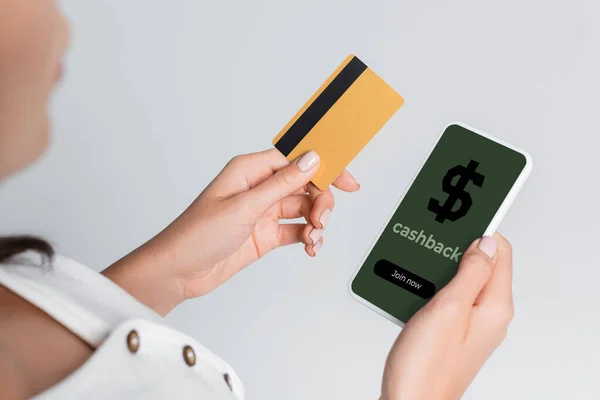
<point>33,39</point>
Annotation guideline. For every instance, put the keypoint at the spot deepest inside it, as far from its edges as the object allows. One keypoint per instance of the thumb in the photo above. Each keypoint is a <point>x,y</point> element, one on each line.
<point>283,182</point>
<point>473,273</point>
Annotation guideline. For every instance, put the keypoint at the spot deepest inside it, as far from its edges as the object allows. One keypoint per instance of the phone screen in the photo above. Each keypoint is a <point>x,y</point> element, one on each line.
<point>451,202</point>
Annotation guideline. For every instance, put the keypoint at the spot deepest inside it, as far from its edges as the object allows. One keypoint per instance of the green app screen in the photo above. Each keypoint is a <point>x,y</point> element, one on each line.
<point>450,204</point>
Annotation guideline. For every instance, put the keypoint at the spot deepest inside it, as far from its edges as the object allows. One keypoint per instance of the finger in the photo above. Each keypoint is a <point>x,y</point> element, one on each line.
<point>281,184</point>
<point>494,307</point>
<point>346,182</point>
<point>257,167</point>
<point>499,286</point>
<point>290,234</point>
<point>302,190</point>
<point>295,206</point>
<point>313,250</point>
<point>246,171</point>
<point>323,203</point>
<point>311,235</point>
<point>473,273</point>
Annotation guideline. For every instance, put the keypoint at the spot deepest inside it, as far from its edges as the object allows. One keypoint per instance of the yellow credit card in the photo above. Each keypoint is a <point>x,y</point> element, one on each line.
<point>339,119</point>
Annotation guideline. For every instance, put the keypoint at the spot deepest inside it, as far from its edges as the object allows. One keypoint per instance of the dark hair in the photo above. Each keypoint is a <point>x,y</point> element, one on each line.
<point>13,245</point>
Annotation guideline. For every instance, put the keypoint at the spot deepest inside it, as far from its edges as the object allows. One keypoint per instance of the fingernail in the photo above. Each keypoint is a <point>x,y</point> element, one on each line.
<point>487,244</point>
<point>317,247</point>
<point>315,235</point>
<point>356,180</point>
<point>325,217</point>
<point>308,161</point>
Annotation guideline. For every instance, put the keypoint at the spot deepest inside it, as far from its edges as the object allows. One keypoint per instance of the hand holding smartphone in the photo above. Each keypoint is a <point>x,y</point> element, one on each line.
<point>462,192</point>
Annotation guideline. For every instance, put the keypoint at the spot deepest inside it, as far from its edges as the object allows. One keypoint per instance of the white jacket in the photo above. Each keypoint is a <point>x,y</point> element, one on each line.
<point>136,354</point>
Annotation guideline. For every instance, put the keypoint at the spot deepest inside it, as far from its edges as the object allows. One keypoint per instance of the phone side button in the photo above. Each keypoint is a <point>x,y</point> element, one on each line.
<point>405,279</point>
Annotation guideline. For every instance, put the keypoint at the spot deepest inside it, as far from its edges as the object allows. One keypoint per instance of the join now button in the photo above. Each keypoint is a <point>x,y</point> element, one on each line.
<point>405,279</point>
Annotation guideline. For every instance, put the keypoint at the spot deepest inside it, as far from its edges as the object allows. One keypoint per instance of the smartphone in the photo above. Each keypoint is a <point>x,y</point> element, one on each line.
<point>461,193</point>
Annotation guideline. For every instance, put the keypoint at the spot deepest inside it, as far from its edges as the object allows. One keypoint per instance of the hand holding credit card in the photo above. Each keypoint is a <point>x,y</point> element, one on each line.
<point>339,119</point>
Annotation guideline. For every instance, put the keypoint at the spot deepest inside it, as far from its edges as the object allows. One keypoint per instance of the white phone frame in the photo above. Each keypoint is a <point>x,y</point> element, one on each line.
<point>502,210</point>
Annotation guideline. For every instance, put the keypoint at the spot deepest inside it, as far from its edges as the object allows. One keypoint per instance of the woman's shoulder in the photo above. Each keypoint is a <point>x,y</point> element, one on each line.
<point>113,323</point>
<point>71,291</point>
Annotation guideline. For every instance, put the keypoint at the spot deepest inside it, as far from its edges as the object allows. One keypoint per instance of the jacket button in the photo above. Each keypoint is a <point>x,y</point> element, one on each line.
<point>133,341</point>
<point>228,381</point>
<point>189,355</point>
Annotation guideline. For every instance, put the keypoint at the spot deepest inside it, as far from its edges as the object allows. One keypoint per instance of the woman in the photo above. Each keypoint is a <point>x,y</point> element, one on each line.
<point>68,332</point>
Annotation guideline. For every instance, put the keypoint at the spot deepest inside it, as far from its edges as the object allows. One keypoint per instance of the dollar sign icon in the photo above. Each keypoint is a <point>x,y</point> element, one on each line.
<point>456,193</point>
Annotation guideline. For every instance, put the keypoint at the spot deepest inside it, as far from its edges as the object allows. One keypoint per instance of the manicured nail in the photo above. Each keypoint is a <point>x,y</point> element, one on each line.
<point>317,247</point>
<point>487,244</point>
<point>308,161</point>
<point>315,235</point>
<point>325,217</point>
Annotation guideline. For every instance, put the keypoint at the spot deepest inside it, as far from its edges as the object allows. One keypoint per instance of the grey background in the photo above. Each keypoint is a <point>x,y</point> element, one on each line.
<point>159,95</point>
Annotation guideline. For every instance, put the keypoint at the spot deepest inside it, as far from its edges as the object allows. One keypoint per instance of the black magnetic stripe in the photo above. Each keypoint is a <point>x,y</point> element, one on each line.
<point>313,114</point>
